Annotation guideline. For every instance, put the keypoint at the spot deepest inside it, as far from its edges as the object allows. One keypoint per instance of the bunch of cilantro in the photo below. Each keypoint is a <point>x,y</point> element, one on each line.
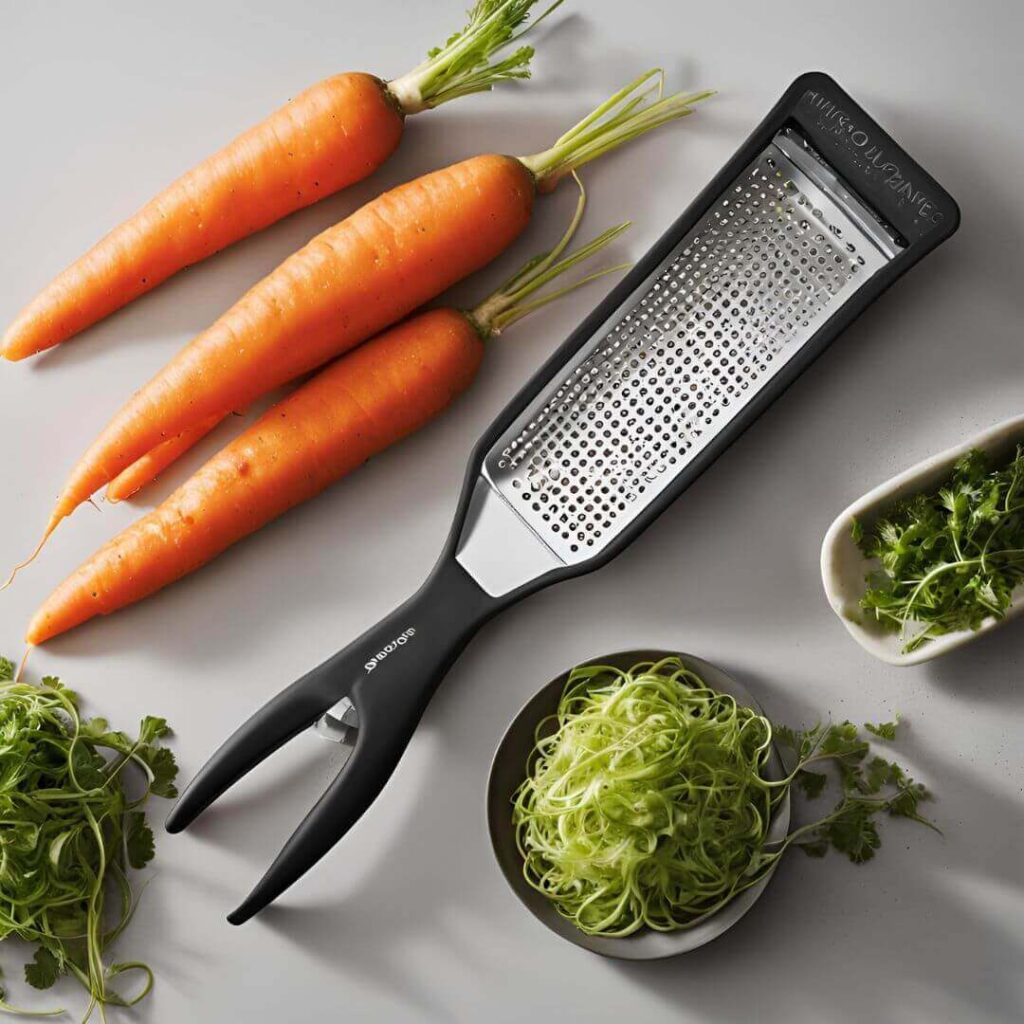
<point>870,786</point>
<point>72,825</point>
<point>949,560</point>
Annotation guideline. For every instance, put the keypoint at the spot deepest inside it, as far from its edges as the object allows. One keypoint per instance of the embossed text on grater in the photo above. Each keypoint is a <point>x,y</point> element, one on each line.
<point>746,288</point>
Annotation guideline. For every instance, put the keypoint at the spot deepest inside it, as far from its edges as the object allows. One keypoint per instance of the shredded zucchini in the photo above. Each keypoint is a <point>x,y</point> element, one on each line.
<point>647,802</point>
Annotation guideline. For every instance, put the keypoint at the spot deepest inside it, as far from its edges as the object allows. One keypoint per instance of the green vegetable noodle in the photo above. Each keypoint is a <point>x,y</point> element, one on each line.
<point>72,825</point>
<point>646,802</point>
<point>949,560</point>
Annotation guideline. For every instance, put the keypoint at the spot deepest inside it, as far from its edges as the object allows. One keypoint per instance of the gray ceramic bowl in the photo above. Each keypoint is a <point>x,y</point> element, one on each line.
<point>508,771</point>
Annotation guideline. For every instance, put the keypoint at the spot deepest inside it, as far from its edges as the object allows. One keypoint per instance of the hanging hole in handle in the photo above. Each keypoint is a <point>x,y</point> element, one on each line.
<point>339,724</point>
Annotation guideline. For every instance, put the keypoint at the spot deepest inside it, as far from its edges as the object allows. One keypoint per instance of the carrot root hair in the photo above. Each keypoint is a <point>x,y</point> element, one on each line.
<point>52,525</point>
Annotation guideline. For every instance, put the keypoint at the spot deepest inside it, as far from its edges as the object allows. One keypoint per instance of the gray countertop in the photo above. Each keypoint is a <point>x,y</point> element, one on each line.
<point>409,919</point>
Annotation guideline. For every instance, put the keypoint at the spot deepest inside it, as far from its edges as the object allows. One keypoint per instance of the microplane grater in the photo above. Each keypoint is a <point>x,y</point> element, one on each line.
<point>731,304</point>
<point>812,219</point>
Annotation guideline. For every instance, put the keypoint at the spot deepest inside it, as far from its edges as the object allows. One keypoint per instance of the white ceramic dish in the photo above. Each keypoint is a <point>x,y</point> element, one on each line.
<point>843,566</point>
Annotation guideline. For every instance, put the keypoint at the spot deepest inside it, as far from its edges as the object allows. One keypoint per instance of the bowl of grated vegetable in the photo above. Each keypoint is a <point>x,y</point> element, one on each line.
<point>637,805</point>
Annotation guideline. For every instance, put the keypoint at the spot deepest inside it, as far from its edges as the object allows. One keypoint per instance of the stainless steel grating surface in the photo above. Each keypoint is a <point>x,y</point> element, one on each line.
<point>750,284</point>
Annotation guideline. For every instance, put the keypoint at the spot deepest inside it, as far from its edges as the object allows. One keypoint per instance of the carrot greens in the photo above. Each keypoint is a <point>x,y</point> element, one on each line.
<point>517,297</point>
<point>72,826</point>
<point>634,110</point>
<point>648,801</point>
<point>463,65</point>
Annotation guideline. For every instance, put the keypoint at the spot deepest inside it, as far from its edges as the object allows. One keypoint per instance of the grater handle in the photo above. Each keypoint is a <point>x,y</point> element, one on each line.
<point>389,674</point>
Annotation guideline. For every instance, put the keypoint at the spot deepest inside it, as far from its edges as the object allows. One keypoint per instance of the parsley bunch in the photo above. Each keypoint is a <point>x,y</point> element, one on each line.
<point>951,559</point>
<point>72,824</point>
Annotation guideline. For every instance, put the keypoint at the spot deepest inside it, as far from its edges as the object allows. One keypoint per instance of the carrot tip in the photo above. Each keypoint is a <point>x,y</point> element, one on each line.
<point>12,349</point>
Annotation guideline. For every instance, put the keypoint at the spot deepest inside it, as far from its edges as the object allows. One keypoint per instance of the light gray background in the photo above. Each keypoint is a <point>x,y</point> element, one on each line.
<point>409,919</point>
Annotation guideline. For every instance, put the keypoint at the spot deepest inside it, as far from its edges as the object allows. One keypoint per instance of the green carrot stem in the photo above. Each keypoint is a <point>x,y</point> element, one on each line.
<point>509,302</point>
<point>463,65</point>
<point>624,116</point>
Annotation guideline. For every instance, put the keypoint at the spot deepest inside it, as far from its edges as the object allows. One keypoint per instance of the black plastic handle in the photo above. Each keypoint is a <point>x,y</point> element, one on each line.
<point>389,674</point>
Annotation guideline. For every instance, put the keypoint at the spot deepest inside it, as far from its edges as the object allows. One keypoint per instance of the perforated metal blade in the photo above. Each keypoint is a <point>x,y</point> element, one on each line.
<point>782,248</point>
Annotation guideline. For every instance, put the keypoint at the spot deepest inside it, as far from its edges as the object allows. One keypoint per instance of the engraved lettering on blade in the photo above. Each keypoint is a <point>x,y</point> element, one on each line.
<point>873,157</point>
<point>399,641</point>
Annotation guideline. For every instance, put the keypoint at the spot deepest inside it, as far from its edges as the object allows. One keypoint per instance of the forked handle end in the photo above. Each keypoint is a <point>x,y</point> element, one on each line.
<point>389,674</point>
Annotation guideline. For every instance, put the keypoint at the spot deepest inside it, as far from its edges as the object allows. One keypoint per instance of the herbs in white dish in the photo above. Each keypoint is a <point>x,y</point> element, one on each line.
<point>949,560</point>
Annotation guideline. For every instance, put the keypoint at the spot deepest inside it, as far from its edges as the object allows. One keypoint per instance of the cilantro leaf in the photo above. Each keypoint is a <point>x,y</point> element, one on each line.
<point>843,742</point>
<point>88,767</point>
<point>801,742</point>
<point>165,770</point>
<point>907,802</point>
<point>853,832</point>
<point>877,773</point>
<point>138,838</point>
<point>812,783</point>
<point>153,728</point>
<point>788,737</point>
<point>44,970</point>
<point>884,730</point>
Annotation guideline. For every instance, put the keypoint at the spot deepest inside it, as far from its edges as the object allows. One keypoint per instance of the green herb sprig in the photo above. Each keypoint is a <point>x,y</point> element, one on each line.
<point>870,786</point>
<point>72,824</point>
<point>952,559</point>
<point>647,803</point>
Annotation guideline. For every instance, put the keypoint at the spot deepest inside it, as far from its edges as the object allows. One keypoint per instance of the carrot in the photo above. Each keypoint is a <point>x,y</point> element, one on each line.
<point>351,281</point>
<point>152,464</point>
<point>331,135</point>
<point>361,404</point>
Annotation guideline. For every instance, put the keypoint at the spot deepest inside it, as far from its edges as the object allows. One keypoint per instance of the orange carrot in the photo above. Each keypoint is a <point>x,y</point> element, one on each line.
<point>154,462</point>
<point>359,405</point>
<point>354,279</point>
<point>370,398</point>
<point>330,136</point>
